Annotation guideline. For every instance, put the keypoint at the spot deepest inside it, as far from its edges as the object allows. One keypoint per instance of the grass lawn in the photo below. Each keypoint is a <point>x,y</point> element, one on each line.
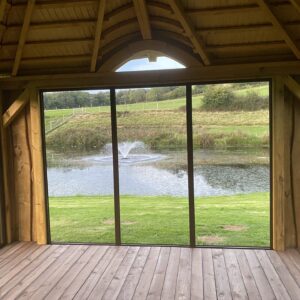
<point>240,220</point>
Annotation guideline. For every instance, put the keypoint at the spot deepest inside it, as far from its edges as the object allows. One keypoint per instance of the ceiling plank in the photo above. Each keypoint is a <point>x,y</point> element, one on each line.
<point>296,4</point>
<point>23,36</point>
<point>190,30</point>
<point>280,27</point>
<point>3,4</point>
<point>143,18</point>
<point>98,31</point>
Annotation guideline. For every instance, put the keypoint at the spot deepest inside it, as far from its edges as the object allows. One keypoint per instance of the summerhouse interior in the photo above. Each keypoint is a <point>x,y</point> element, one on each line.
<point>166,234</point>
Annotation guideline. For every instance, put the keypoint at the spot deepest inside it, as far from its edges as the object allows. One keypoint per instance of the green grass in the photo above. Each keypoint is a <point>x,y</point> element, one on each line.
<point>239,220</point>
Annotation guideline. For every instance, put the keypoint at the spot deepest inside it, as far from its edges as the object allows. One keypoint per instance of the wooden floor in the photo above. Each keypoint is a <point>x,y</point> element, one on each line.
<point>28,271</point>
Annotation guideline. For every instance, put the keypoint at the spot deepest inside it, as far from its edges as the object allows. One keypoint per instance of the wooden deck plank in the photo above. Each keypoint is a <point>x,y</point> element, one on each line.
<point>157,283</point>
<point>21,254</point>
<point>261,280</point>
<point>8,273</point>
<point>183,290</point>
<point>208,275</point>
<point>289,263</point>
<point>284,274</point>
<point>108,275</point>
<point>9,247</point>
<point>17,277</point>
<point>134,274</point>
<point>118,280</point>
<point>42,285</point>
<point>111,272</point>
<point>71,274</point>
<point>91,281</point>
<point>197,289</point>
<point>16,287</point>
<point>13,252</point>
<point>169,288</point>
<point>248,279</point>
<point>89,269</point>
<point>143,286</point>
<point>221,276</point>
<point>238,290</point>
<point>274,280</point>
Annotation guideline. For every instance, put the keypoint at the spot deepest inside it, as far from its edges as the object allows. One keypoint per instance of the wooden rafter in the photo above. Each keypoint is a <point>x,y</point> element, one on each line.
<point>98,31</point>
<point>143,18</point>
<point>296,4</point>
<point>12,112</point>
<point>290,41</point>
<point>189,30</point>
<point>23,36</point>
<point>293,86</point>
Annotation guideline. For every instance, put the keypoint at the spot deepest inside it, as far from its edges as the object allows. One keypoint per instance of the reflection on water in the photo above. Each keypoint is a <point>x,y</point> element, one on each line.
<point>164,175</point>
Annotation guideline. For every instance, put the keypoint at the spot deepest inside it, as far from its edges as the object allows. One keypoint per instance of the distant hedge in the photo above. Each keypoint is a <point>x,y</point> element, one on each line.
<point>222,98</point>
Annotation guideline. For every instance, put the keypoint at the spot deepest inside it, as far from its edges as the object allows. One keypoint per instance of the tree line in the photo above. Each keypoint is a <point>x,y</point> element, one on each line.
<point>77,99</point>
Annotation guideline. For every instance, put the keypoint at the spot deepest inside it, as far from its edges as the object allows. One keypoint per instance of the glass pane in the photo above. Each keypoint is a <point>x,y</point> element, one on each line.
<point>232,164</point>
<point>80,173</point>
<point>153,165</point>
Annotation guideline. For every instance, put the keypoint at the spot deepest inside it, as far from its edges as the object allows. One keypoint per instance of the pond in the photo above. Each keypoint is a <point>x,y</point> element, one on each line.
<point>153,174</point>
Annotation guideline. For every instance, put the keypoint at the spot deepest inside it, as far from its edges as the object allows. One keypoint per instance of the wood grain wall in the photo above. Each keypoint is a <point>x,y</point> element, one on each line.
<point>25,216</point>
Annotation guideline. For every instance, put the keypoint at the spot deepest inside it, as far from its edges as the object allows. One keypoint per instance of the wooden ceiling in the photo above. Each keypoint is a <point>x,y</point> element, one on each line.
<point>54,36</point>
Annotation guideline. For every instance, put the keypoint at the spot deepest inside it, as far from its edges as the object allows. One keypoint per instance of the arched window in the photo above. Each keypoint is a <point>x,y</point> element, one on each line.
<point>151,63</point>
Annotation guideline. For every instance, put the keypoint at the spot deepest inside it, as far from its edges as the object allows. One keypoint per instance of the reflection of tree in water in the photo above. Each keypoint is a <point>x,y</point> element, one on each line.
<point>236,177</point>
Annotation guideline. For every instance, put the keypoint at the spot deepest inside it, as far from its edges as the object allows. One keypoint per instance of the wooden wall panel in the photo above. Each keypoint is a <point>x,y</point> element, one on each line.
<point>290,229</point>
<point>22,176</point>
<point>24,186</point>
<point>296,168</point>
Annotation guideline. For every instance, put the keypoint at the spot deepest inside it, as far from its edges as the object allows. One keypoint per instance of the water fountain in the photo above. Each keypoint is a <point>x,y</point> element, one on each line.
<point>129,153</point>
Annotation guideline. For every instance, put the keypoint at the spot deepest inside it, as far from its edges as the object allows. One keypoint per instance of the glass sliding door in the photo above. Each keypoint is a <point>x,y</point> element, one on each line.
<point>151,126</point>
<point>79,166</point>
<point>232,164</point>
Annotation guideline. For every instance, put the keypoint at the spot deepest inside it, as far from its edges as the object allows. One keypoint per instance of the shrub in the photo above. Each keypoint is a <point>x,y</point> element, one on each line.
<point>217,98</point>
<point>250,102</point>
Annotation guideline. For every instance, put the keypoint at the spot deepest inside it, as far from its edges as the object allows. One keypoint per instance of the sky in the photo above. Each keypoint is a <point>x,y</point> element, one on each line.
<point>143,64</point>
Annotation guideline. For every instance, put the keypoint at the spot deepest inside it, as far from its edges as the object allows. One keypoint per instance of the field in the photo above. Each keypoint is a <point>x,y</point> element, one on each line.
<point>158,124</point>
<point>240,220</point>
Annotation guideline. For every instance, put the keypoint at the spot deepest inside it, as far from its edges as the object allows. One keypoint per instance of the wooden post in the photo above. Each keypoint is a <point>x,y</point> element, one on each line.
<point>278,163</point>
<point>7,194</point>
<point>38,169</point>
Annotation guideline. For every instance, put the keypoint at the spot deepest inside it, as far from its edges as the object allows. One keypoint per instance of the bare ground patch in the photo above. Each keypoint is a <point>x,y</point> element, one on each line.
<point>210,239</point>
<point>128,223</point>
<point>235,227</point>
<point>109,222</point>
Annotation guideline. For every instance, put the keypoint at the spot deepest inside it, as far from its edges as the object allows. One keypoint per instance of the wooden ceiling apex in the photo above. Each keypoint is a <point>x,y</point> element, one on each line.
<point>98,31</point>
<point>280,27</point>
<point>23,36</point>
<point>189,30</point>
<point>143,18</point>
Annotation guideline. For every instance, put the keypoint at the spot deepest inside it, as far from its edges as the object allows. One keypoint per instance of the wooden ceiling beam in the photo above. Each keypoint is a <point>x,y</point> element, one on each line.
<point>15,108</point>
<point>143,18</point>
<point>292,85</point>
<point>189,30</point>
<point>296,4</point>
<point>98,32</point>
<point>23,36</point>
<point>280,27</point>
